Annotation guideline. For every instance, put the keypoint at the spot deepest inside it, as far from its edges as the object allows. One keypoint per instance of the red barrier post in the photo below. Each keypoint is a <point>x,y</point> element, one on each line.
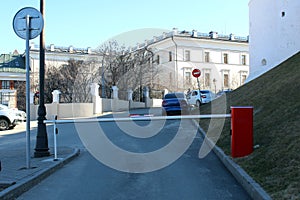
<point>241,131</point>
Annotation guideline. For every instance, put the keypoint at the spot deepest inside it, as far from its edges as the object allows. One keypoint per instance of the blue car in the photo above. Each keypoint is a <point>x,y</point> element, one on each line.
<point>175,104</point>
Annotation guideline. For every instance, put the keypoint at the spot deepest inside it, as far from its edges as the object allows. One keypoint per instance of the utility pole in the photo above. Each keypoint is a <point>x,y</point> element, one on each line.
<point>41,148</point>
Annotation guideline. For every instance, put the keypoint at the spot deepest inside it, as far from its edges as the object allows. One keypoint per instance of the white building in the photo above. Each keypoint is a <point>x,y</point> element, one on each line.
<point>222,59</point>
<point>56,56</point>
<point>274,33</point>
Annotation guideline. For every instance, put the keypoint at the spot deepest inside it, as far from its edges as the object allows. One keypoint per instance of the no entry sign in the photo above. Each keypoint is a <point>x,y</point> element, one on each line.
<point>196,73</point>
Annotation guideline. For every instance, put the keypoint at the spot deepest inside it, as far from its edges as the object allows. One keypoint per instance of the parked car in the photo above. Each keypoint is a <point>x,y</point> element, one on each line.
<point>10,117</point>
<point>175,103</point>
<point>196,98</point>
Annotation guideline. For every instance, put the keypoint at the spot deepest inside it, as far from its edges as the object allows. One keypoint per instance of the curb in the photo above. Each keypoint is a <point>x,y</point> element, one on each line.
<point>254,190</point>
<point>22,186</point>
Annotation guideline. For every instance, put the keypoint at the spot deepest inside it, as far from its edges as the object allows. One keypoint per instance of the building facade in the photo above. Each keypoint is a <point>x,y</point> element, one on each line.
<point>222,59</point>
<point>273,36</point>
<point>12,80</point>
<point>56,56</point>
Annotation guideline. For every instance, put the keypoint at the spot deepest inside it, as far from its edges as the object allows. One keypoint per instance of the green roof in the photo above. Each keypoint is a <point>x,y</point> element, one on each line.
<point>14,63</point>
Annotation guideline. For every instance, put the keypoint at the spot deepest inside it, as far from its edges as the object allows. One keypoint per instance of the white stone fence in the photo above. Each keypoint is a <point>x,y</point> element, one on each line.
<point>97,107</point>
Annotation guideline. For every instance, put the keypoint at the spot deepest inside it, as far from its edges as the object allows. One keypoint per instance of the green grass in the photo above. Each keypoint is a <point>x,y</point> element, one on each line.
<point>275,96</point>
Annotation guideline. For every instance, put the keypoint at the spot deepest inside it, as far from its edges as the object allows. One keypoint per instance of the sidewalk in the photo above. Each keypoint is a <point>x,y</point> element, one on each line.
<point>15,178</point>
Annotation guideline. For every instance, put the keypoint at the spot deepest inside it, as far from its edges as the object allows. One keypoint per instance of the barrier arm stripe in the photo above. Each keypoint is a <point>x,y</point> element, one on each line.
<point>125,119</point>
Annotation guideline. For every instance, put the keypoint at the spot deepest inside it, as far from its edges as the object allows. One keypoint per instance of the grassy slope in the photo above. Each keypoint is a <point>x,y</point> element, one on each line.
<point>275,96</point>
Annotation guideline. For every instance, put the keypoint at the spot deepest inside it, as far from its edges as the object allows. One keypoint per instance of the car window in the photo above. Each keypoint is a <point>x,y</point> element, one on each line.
<point>204,91</point>
<point>194,93</point>
<point>174,95</point>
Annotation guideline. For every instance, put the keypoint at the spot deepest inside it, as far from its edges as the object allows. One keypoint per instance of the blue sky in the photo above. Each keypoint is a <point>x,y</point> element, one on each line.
<point>90,23</point>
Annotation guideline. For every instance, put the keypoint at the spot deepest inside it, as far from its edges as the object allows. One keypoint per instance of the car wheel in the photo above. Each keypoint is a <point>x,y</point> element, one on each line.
<point>198,103</point>
<point>3,124</point>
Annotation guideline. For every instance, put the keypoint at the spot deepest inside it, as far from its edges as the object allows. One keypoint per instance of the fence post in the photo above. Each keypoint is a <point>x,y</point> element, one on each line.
<point>115,92</point>
<point>129,97</point>
<point>31,98</point>
<point>55,96</point>
<point>146,96</point>
<point>97,101</point>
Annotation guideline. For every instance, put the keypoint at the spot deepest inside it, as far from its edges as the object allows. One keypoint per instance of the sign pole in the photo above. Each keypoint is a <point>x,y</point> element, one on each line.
<point>199,93</point>
<point>27,93</point>
<point>33,25</point>
<point>197,73</point>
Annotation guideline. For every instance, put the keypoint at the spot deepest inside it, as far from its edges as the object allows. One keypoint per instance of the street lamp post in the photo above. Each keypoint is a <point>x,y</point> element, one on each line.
<point>41,148</point>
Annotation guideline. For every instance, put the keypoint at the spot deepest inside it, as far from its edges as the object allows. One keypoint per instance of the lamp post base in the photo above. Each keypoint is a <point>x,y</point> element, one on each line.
<point>41,148</point>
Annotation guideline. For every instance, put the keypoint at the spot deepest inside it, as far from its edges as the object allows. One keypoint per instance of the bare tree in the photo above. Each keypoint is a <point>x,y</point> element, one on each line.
<point>142,73</point>
<point>73,80</point>
<point>115,64</point>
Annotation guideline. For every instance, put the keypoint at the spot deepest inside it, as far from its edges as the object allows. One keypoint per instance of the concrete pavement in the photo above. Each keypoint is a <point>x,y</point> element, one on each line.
<point>15,178</point>
<point>19,179</point>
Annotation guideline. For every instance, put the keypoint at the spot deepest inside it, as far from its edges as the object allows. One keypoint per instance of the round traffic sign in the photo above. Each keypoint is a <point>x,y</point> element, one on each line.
<point>36,22</point>
<point>196,73</point>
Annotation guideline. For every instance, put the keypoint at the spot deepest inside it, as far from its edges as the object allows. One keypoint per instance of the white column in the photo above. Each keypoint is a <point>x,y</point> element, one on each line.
<point>129,94</point>
<point>31,98</point>
<point>55,96</point>
<point>94,89</point>
<point>115,92</point>
<point>146,97</point>
<point>97,101</point>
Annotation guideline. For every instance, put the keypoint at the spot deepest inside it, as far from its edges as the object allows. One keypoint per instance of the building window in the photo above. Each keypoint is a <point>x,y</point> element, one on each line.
<point>207,79</point>
<point>244,60</point>
<point>282,14</point>
<point>187,55</point>
<point>225,58</point>
<point>206,56</point>
<point>263,62</point>
<point>5,85</point>
<point>188,79</point>
<point>170,56</point>
<point>226,80</point>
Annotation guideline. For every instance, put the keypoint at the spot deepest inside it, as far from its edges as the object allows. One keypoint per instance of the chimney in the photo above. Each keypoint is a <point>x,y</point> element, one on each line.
<point>154,38</point>
<point>52,47</point>
<point>71,49</point>
<point>175,31</point>
<point>194,33</point>
<point>213,35</point>
<point>89,50</point>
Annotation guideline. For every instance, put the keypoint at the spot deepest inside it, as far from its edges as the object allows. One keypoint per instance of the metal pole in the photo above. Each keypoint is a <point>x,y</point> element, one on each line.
<point>199,93</point>
<point>55,141</point>
<point>41,148</point>
<point>27,93</point>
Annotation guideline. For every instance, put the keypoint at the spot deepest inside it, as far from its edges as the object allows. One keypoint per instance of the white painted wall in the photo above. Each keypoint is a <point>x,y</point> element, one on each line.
<point>172,74</point>
<point>274,33</point>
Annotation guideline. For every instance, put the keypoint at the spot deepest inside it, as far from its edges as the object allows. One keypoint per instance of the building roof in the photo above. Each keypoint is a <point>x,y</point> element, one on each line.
<point>14,63</point>
<point>192,34</point>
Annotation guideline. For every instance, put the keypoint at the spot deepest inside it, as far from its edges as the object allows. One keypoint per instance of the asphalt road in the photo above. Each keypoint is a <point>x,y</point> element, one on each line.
<point>87,177</point>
